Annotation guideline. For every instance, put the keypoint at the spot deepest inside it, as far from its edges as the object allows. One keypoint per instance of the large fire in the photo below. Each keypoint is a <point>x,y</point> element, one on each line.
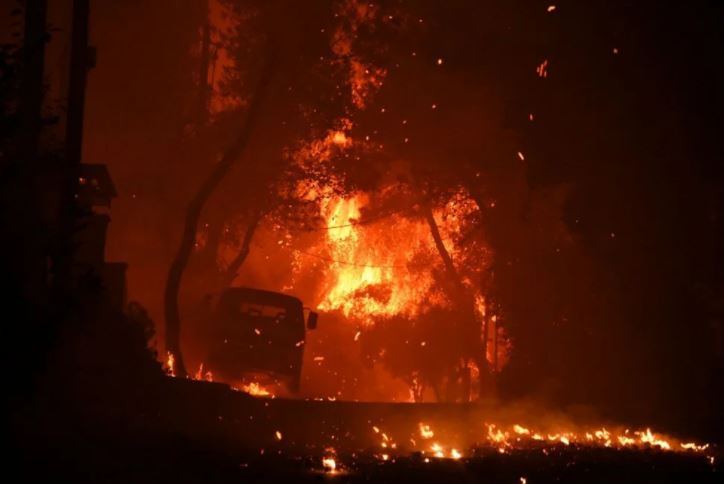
<point>518,437</point>
<point>376,262</point>
<point>375,270</point>
<point>392,255</point>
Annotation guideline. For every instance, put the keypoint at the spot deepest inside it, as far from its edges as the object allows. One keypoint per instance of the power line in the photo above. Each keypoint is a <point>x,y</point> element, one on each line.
<point>354,264</point>
<point>353,224</point>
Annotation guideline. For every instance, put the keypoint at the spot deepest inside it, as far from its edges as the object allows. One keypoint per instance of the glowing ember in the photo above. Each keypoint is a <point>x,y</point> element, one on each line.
<point>373,271</point>
<point>425,431</point>
<point>437,450</point>
<point>694,447</point>
<point>170,364</point>
<point>506,440</point>
<point>339,138</point>
<point>542,69</point>
<point>368,278</point>
<point>624,440</point>
<point>255,389</point>
<point>329,462</point>
<point>649,438</point>
<point>496,435</point>
<point>203,375</point>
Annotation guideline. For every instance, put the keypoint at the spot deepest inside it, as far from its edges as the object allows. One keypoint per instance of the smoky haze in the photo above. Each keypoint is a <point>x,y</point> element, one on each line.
<point>601,179</point>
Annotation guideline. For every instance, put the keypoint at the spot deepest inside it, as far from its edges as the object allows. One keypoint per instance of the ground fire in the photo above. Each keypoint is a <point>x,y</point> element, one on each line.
<point>362,241</point>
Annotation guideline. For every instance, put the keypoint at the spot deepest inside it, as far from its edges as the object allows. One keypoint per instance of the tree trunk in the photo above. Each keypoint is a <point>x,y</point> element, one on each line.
<point>193,212</point>
<point>482,358</point>
<point>208,255</point>
<point>452,273</point>
<point>486,378</point>
<point>235,265</point>
<point>31,89</point>
<point>18,179</point>
<point>458,295</point>
<point>77,80</point>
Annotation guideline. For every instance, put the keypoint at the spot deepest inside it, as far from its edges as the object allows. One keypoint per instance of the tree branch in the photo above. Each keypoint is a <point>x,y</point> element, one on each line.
<point>193,212</point>
<point>235,265</point>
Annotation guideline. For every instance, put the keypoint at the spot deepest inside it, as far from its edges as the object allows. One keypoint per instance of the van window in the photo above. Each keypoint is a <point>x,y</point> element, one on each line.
<point>262,310</point>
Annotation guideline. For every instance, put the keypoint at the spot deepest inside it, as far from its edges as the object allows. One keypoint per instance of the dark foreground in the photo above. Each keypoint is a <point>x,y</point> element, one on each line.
<point>206,433</point>
<point>181,462</point>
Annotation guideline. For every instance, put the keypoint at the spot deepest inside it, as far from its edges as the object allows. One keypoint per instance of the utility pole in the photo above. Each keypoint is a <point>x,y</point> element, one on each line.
<point>33,67</point>
<point>81,60</point>
<point>29,257</point>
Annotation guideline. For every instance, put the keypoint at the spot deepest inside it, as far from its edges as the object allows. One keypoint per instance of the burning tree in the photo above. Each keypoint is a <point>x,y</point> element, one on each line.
<point>400,233</point>
<point>265,46</point>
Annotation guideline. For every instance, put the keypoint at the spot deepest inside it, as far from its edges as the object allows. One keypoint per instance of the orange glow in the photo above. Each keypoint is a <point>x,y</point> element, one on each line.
<point>256,390</point>
<point>373,255</point>
<point>373,270</point>
<point>437,450</point>
<point>425,431</point>
<point>649,438</point>
<point>170,364</point>
<point>329,462</point>
<point>518,437</point>
<point>542,69</point>
<point>369,277</point>
<point>694,447</point>
<point>496,435</point>
<point>363,77</point>
<point>202,375</point>
<point>340,138</point>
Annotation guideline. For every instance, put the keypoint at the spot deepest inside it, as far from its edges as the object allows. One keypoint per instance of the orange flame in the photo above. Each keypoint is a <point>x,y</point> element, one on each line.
<point>170,363</point>
<point>255,389</point>
<point>383,269</point>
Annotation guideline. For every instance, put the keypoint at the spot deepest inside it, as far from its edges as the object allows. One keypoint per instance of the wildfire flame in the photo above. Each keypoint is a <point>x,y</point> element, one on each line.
<point>370,274</point>
<point>519,437</point>
<point>382,268</point>
<point>425,431</point>
<point>381,262</point>
<point>203,375</point>
<point>255,389</point>
<point>170,364</point>
<point>329,462</point>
